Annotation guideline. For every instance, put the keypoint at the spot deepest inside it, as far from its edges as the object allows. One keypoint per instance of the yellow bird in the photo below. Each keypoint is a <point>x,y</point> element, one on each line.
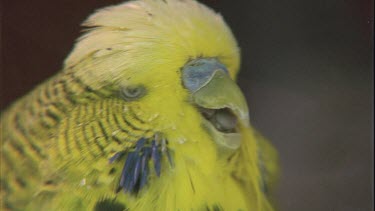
<point>145,115</point>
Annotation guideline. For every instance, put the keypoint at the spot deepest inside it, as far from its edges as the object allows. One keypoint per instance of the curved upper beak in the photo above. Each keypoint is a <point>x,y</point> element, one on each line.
<point>218,98</point>
<point>220,92</point>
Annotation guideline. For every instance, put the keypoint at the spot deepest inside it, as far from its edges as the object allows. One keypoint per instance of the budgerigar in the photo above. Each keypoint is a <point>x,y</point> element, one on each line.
<point>145,115</point>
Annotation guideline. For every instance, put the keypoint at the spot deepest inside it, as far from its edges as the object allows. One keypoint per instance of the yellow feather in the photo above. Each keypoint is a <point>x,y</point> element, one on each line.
<point>73,124</point>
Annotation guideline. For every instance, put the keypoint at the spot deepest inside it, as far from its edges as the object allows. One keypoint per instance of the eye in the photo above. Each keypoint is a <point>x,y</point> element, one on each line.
<point>131,93</point>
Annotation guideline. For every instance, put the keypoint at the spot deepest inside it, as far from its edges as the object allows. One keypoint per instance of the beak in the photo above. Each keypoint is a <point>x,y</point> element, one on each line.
<point>222,92</point>
<point>219,99</point>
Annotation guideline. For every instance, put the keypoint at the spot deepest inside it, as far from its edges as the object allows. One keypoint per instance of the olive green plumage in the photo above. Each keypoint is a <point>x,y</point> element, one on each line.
<point>145,115</point>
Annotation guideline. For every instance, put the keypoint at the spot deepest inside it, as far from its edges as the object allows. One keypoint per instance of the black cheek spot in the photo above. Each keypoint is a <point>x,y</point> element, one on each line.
<point>215,207</point>
<point>109,204</point>
<point>112,171</point>
<point>49,182</point>
<point>21,182</point>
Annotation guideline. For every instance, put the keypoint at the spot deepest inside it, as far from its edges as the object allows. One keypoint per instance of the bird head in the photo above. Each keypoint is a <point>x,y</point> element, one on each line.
<point>169,58</point>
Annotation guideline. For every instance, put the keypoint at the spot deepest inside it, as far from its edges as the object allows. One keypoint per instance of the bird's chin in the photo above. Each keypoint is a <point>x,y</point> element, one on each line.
<point>223,126</point>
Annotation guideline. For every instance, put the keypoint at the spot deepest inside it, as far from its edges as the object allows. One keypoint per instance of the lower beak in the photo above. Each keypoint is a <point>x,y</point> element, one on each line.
<point>224,106</point>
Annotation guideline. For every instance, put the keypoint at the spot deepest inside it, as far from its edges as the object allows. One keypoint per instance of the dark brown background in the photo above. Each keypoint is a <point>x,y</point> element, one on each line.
<point>306,71</point>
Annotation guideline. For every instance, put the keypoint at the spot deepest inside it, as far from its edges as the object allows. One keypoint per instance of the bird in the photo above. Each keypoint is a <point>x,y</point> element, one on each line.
<point>145,114</point>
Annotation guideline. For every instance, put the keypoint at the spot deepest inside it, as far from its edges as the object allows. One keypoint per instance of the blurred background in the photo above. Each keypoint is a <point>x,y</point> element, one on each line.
<point>307,72</point>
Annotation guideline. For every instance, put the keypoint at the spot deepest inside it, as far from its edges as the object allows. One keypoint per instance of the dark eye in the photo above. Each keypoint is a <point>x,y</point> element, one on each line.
<point>130,93</point>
